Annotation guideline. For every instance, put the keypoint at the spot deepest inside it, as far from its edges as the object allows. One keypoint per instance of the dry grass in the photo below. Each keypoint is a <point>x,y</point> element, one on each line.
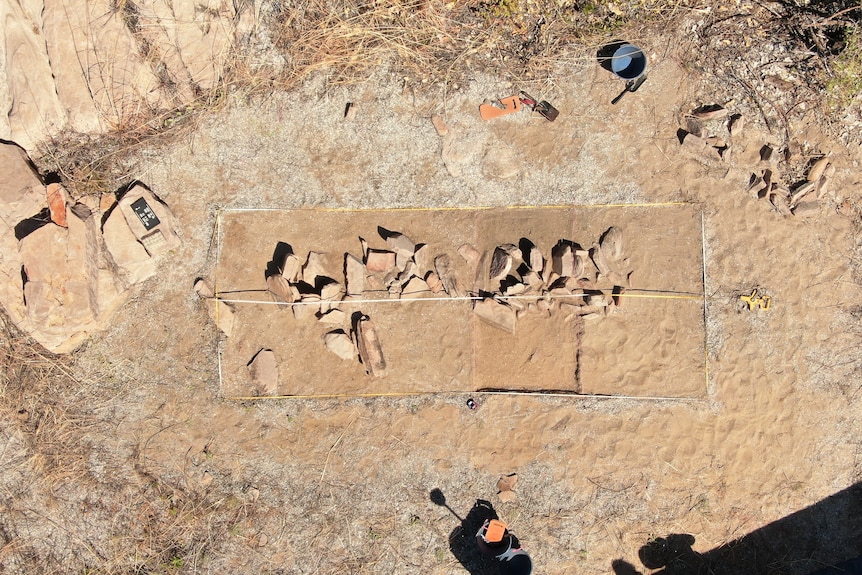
<point>70,503</point>
<point>431,44</point>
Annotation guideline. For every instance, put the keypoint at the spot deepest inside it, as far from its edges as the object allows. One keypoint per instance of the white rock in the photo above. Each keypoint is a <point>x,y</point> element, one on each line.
<point>340,344</point>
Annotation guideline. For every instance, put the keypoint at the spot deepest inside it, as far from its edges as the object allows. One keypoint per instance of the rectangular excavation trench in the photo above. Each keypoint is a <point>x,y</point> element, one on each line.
<point>652,345</point>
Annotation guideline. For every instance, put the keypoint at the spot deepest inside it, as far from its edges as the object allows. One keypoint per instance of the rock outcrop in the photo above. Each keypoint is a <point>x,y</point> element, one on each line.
<point>95,65</point>
<point>60,283</point>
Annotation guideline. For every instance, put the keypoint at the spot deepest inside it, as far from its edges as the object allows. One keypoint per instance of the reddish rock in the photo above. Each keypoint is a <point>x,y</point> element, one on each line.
<point>379,261</point>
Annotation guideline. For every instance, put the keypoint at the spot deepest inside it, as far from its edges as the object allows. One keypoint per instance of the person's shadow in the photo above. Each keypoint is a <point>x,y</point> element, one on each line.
<point>673,553</point>
<point>462,539</point>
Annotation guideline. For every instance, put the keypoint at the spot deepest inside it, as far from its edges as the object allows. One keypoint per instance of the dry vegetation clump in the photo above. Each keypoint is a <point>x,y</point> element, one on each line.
<point>436,42</point>
<point>783,60</point>
<point>75,497</point>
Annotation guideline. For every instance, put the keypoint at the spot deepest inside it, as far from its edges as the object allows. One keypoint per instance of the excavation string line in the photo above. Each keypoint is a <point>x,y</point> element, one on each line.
<point>684,296</point>
<point>573,395</point>
<point>455,208</point>
<point>703,283</point>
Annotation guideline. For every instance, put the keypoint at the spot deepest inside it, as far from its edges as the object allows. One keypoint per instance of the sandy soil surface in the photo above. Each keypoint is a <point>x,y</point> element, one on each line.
<point>326,486</point>
<point>653,345</point>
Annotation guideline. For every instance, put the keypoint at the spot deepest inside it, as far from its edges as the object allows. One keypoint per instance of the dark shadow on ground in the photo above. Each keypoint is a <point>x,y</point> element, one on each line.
<point>606,53</point>
<point>462,539</point>
<point>823,539</point>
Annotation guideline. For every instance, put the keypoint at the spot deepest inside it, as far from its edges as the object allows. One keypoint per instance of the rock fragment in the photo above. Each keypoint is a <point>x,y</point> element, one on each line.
<point>598,257</point>
<point>536,260</point>
<point>439,125</point>
<point>611,243</point>
<point>822,185</point>
<point>379,261</point>
<point>307,306</point>
<point>401,244</point>
<point>370,350</point>
<point>415,288</point>
<point>533,280</point>
<point>315,266</point>
<point>496,313</point>
<point>149,219</point>
<point>280,289</point>
<point>333,317</point>
<point>699,148</point>
<point>421,258</point>
<point>470,254</point>
<point>802,191</point>
<point>736,125</point>
<point>291,269</point>
<point>711,112</point>
<point>222,314</point>
<point>817,169</point>
<point>354,274</point>
<point>563,259</point>
<point>22,193</point>
<point>501,264</point>
<point>330,294</point>
<point>58,198</point>
<point>339,343</point>
<point>806,209</point>
<point>264,372</point>
<point>203,288</point>
<point>446,273</point>
<point>434,283</point>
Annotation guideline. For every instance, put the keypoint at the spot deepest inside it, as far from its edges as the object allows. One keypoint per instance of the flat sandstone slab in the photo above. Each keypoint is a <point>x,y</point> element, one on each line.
<point>435,344</point>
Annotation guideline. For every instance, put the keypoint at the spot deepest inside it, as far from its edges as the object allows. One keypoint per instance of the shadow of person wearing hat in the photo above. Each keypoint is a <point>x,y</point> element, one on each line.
<point>494,540</point>
<point>480,552</point>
